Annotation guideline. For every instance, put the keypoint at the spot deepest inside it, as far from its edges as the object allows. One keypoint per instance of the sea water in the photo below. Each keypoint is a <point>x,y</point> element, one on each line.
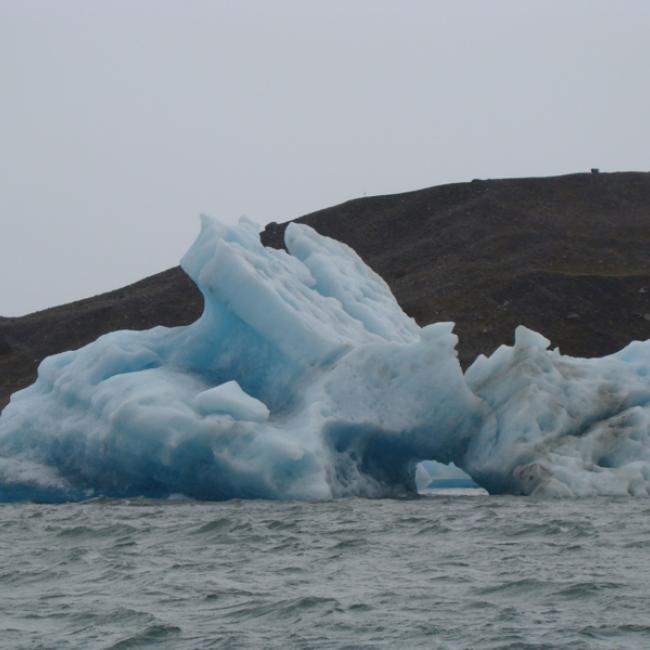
<point>455,569</point>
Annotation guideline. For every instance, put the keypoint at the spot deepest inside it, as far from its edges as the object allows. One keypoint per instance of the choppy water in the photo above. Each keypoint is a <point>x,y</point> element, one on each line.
<point>436,572</point>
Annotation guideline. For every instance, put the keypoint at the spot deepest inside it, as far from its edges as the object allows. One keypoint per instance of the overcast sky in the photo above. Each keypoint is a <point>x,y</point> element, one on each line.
<point>122,120</point>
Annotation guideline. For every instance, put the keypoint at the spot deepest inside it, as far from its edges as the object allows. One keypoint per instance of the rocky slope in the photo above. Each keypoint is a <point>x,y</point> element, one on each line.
<point>568,256</point>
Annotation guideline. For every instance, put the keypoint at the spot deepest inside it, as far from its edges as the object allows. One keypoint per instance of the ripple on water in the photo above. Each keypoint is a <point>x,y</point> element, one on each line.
<point>442,572</point>
<point>151,636</point>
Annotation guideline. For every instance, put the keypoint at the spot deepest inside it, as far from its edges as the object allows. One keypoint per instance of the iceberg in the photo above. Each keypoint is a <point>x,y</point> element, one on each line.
<point>562,426</point>
<point>432,475</point>
<point>304,379</point>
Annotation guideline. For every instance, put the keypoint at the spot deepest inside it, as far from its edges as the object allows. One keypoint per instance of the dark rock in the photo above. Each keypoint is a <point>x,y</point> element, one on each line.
<point>542,247</point>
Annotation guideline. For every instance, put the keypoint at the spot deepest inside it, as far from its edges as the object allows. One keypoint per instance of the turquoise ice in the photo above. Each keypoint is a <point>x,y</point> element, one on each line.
<point>304,379</point>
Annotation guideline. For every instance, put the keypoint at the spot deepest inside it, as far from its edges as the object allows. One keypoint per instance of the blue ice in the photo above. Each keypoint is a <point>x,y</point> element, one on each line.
<point>304,379</point>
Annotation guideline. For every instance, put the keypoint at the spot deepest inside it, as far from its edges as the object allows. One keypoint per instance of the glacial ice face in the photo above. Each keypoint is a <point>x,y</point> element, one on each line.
<point>304,379</point>
<point>562,426</point>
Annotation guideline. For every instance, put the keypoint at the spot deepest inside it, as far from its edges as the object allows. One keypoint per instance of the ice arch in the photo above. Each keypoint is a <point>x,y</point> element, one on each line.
<point>303,378</point>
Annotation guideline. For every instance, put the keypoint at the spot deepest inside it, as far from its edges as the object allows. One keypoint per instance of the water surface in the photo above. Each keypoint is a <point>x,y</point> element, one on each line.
<point>448,570</point>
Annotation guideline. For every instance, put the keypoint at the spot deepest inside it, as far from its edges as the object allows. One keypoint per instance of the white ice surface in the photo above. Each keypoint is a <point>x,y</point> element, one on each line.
<point>559,425</point>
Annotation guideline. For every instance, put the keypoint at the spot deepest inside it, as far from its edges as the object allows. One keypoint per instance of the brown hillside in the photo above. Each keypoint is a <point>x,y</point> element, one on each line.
<point>568,256</point>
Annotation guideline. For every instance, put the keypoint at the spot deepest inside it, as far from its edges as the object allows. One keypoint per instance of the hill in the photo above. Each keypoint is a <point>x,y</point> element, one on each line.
<point>568,256</point>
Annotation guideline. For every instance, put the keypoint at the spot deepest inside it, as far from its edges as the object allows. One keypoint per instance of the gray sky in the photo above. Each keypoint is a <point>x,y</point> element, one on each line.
<point>122,120</point>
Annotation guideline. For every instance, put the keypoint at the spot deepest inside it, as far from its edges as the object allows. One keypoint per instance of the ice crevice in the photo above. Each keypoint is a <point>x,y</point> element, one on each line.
<point>304,379</point>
